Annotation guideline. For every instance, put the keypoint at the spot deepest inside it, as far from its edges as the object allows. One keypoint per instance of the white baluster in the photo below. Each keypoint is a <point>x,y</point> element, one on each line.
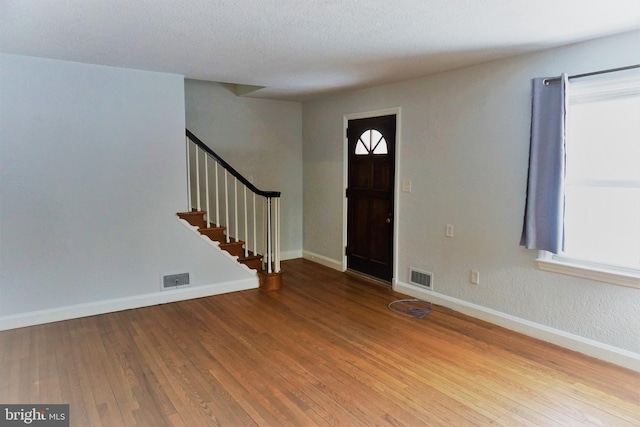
<point>190,203</point>
<point>235,205</point>
<point>206,189</point>
<point>277,235</point>
<point>264,235</point>
<point>255,230</point>
<point>197,179</point>
<point>226,205</point>
<point>246,227</point>
<point>269,237</point>
<point>217,196</point>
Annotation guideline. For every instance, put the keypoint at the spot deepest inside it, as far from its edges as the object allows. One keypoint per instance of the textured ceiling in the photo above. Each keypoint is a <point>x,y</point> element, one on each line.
<point>298,49</point>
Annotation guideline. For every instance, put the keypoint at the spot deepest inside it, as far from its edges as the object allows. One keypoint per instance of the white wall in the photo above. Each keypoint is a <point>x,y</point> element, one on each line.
<point>92,173</point>
<point>464,145</point>
<point>261,139</point>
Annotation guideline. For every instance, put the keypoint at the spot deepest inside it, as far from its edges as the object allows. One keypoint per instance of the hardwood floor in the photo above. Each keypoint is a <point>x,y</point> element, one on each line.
<point>324,350</point>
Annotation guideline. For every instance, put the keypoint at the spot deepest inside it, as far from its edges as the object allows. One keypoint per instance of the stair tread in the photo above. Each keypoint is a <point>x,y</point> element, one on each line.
<point>232,242</point>
<point>193,213</point>
<point>250,257</point>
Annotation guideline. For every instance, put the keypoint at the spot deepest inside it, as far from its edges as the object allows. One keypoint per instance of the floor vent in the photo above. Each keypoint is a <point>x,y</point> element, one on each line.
<point>422,279</point>
<point>175,280</point>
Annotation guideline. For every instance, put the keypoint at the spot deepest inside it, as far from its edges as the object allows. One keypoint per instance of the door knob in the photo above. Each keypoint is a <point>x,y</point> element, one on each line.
<point>388,220</point>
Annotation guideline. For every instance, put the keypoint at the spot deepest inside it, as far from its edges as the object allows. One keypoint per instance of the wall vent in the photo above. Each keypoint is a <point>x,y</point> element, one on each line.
<point>422,278</point>
<point>174,280</point>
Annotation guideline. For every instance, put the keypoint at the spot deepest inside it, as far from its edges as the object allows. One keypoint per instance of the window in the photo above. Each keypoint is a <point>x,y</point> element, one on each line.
<point>371,142</point>
<point>602,181</point>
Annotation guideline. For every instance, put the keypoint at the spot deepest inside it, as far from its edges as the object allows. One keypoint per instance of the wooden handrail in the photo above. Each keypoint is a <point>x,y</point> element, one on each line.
<point>229,168</point>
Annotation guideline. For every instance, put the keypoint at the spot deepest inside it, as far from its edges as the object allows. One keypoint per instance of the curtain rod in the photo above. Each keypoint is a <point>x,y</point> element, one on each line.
<point>594,73</point>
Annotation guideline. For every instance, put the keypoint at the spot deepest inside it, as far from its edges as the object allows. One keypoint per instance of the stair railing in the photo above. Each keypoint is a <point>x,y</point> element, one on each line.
<point>209,190</point>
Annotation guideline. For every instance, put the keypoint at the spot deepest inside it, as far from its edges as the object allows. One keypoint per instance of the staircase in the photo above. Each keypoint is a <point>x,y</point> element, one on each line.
<point>217,234</point>
<point>227,208</point>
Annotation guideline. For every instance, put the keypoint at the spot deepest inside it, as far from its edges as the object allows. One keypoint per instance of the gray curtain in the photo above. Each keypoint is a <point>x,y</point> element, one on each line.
<point>544,210</point>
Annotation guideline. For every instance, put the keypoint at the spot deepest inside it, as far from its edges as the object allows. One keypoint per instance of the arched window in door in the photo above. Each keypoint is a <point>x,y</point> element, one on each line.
<point>371,142</point>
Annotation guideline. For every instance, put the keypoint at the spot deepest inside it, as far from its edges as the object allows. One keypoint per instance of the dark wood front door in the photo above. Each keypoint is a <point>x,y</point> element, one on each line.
<point>370,195</point>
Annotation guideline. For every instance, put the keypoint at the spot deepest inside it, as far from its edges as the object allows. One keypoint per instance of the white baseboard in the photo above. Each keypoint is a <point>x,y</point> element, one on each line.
<point>323,260</point>
<point>285,255</point>
<point>573,342</point>
<point>126,303</point>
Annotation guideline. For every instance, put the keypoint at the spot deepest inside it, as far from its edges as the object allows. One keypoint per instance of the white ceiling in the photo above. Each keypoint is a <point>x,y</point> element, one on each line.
<point>298,49</point>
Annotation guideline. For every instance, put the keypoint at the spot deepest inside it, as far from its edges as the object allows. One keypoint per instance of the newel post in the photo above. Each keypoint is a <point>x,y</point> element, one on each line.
<point>271,276</point>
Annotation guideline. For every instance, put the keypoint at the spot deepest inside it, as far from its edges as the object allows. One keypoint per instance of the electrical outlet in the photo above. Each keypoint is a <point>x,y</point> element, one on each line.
<point>475,277</point>
<point>448,232</point>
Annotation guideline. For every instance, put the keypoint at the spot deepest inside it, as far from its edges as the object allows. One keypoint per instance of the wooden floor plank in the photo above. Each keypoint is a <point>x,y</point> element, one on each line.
<point>323,350</point>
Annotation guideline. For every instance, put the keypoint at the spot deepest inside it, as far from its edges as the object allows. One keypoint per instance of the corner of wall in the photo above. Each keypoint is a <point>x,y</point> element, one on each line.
<point>323,260</point>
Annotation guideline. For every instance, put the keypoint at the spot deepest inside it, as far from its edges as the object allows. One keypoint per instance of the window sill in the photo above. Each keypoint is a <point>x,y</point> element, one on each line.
<point>622,277</point>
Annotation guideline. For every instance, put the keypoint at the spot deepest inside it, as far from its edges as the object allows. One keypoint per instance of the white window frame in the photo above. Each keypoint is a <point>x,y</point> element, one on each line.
<point>547,261</point>
<point>588,270</point>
